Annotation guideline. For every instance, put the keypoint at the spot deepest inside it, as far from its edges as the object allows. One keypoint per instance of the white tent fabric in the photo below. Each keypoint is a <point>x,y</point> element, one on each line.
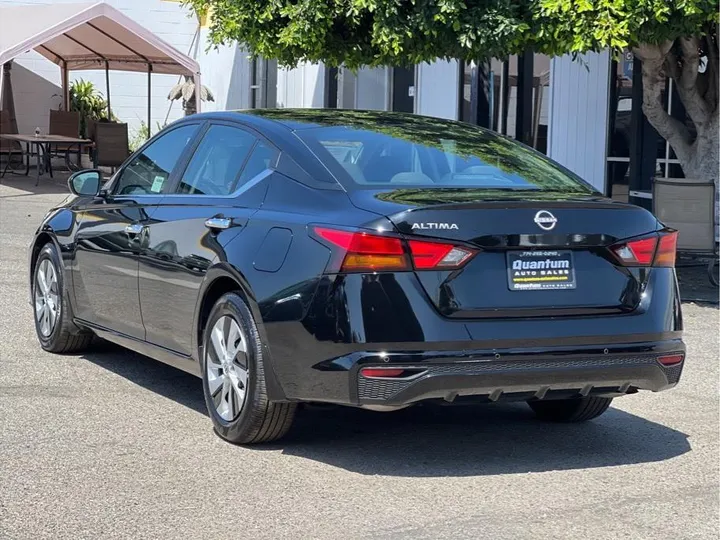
<point>89,36</point>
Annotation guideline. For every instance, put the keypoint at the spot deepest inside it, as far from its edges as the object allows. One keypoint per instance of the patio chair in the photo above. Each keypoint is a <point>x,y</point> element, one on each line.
<point>112,146</point>
<point>66,123</point>
<point>689,205</point>
<point>8,148</point>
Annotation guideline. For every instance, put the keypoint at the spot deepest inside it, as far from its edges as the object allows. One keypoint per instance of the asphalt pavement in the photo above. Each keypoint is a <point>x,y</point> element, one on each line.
<point>110,444</point>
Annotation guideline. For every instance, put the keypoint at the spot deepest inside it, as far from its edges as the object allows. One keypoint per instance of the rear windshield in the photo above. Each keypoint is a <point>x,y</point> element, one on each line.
<point>438,153</point>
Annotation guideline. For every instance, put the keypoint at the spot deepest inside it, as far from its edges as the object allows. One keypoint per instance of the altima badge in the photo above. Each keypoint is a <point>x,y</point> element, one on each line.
<point>545,220</point>
<point>433,226</point>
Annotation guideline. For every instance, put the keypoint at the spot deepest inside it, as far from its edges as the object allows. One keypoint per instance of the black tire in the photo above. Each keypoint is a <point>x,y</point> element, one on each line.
<point>570,410</point>
<point>259,419</point>
<point>65,336</point>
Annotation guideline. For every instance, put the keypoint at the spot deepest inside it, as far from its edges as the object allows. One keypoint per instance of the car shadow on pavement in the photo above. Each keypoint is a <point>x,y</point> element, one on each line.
<point>155,376</point>
<point>471,440</point>
<point>429,441</point>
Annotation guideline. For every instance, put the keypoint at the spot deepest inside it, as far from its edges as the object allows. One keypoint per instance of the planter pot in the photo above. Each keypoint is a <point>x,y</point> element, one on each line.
<point>86,161</point>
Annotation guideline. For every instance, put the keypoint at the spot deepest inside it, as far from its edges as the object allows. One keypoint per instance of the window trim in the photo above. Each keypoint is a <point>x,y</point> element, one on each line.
<point>193,142</point>
<point>172,192</point>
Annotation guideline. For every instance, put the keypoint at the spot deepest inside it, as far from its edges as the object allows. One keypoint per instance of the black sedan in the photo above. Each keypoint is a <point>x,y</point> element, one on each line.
<point>368,259</point>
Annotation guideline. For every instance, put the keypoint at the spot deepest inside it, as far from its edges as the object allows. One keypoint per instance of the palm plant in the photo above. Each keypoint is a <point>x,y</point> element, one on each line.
<point>88,101</point>
<point>185,90</point>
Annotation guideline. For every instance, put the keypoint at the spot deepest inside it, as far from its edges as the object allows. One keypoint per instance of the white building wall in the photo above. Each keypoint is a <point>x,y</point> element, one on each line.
<point>436,89</point>
<point>578,115</point>
<point>301,87</point>
<point>226,71</point>
<point>35,80</point>
<point>371,89</point>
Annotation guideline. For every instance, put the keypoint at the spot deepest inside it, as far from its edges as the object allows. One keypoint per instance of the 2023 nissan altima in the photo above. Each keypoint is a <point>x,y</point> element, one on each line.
<point>360,258</point>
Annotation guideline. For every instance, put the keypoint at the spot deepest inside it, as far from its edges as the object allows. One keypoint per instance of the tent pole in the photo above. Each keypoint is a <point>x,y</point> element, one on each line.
<point>198,91</point>
<point>107,86</point>
<point>149,99</point>
<point>2,83</point>
<point>65,86</point>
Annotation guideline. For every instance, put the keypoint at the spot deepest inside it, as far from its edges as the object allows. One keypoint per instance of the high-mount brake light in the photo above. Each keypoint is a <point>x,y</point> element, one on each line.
<point>656,250</point>
<point>367,252</point>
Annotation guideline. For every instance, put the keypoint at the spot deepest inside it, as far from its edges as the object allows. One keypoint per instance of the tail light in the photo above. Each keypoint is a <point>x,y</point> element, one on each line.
<point>367,252</point>
<point>656,250</point>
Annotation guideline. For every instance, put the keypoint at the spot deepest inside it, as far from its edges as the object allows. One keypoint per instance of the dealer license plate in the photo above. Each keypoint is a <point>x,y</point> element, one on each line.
<point>540,270</point>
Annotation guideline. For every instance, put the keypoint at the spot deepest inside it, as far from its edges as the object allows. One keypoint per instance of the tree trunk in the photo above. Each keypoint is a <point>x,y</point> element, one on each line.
<point>699,156</point>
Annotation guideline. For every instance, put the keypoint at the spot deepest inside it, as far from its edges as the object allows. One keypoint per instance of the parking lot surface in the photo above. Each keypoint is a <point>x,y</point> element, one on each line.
<point>110,444</point>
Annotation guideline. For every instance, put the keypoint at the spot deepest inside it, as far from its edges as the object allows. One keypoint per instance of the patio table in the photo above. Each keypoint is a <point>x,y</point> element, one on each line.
<point>41,142</point>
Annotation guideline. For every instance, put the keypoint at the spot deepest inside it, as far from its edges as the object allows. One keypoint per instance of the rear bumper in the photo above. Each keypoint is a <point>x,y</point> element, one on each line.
<point>362,320</point>
<point>502,374</point>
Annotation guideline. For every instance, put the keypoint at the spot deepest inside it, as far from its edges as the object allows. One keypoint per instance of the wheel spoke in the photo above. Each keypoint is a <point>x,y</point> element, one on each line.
<point>242,376</point>
<point>235,341</point>
<point>238,389</point>
<point>52,315</point>
<point>218,342</point>
<point>42,277</point>
<point>39,305</point>
<point>215,379</point>
<point>232,400</point>
<point>45,321</point>
<point>224,405</point>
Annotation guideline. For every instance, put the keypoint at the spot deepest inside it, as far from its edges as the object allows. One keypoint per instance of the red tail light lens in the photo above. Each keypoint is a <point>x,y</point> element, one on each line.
<point>438,255</point>
<point>637,252</point>
<point>367,252</point>
<point>655,250</point>
<point>362,252</point>
<point>666,249</point>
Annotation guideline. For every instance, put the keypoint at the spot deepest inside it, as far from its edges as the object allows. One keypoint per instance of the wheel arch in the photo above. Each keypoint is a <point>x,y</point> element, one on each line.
<point>221,279</point>
<point>42,238</point>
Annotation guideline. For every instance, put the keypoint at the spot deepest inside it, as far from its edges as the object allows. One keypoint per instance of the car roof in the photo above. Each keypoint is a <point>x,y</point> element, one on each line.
<point>301,119</point>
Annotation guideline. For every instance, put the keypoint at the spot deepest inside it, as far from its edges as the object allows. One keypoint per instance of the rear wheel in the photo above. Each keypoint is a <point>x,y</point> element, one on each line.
<point>570,410</point>
<point>234,378</point>
<point>53,320</point>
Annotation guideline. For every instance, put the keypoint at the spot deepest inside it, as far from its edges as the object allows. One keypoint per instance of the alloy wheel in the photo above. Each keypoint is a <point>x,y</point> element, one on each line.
<point>226,364</point>
<point>47,297</point>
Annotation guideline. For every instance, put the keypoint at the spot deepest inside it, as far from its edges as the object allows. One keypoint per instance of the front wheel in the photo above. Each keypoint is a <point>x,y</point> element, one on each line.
<point>570,410</point>
<point>53,320</point>
<point>234,378</point>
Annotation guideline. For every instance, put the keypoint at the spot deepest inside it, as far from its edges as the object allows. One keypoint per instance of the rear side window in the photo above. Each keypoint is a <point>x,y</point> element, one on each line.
<point>435,153</point>
<point>149,171</point>
<point>216,165</point>
<point>262,158</point>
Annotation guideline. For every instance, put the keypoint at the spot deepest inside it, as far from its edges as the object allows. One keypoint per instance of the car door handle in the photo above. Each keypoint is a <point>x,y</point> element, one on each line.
<point>218,223</point>
<point>134,229</point>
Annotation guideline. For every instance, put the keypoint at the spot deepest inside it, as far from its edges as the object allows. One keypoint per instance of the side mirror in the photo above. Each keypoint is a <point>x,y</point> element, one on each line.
<point>85,183</point>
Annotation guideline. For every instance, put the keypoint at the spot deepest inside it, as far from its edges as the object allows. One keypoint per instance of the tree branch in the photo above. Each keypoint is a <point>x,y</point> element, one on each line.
<point>672,65</point>
<point>713,71</point>
<point>694,103</point>
<point>671,129</point>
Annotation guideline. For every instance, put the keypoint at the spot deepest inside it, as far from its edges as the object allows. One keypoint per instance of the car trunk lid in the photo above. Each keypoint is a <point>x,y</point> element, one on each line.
<point>539,253</point>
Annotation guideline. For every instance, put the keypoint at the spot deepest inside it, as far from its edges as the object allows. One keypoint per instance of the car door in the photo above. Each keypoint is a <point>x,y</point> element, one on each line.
<point>111,233</point>
<point>212,201</point>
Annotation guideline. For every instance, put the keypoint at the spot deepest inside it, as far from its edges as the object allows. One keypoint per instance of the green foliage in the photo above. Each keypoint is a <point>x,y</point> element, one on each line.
<point>142,134</point>
<point>403,32</point>
<point>88,101</point>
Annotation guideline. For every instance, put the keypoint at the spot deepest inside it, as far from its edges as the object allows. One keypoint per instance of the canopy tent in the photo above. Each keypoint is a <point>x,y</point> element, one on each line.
<point>91,36</point>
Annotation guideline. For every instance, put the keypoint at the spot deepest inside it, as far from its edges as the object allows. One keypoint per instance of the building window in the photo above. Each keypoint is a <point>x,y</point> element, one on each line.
<point>510,96</point>
<point>622,134</point>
